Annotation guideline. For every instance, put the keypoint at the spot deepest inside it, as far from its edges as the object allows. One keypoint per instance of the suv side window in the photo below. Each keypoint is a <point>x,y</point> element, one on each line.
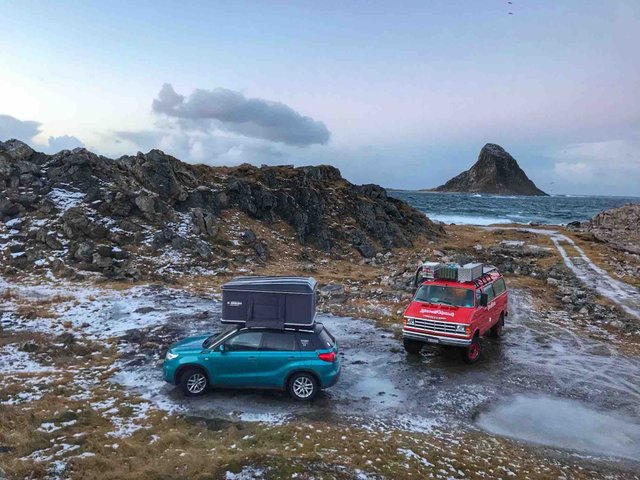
<point>489,291</point>
<point>245,341</point>
<point>278,342</point>
<point>305,342</point>
<point>499,287</point>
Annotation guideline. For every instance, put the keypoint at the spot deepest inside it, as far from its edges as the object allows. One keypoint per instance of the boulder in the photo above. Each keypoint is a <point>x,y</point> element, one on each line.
<point>617,227</point>
<point>204,223</point>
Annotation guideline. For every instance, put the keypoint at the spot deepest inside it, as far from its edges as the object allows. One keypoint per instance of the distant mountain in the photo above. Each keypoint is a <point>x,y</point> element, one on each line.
<point>495,172</point>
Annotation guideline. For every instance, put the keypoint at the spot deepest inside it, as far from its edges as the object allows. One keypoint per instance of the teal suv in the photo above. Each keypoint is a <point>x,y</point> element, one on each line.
<point>301,362</point>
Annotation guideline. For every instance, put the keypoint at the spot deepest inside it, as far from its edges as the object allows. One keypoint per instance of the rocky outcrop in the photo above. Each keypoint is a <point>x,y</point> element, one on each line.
<point>78,210</point>
<point>619,227</point>
<point>495,172</point>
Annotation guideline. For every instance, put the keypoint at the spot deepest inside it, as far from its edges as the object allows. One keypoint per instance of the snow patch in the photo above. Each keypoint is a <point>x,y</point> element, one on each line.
<point>247,473</point>
<point>65,199</point>
<point>411,455</point>
<point>15,361</point>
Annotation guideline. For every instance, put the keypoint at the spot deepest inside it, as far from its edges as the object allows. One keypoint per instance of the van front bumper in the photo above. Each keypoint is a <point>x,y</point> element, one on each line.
<point>436,339</point>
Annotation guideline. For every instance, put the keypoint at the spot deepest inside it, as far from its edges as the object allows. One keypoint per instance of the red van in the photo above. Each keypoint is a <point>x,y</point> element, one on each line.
<point>457,313</point>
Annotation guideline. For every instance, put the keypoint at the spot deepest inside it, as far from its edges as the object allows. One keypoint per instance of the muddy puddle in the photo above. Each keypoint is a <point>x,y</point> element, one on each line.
<point>565,424</point>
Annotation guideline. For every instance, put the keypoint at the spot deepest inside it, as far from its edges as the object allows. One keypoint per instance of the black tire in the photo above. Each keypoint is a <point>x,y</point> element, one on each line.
<point>412,346</point>
<point>496,330</point>
<point>303,387</point>
<point>471,354</point>
<point>194,382</point>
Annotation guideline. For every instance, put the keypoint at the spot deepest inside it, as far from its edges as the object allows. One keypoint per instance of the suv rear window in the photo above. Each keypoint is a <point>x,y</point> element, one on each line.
<point>278,342</point>
<point>326,340</point>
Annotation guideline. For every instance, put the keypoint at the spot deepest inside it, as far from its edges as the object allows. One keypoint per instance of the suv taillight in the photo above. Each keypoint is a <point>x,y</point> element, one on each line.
<point>327,357</point>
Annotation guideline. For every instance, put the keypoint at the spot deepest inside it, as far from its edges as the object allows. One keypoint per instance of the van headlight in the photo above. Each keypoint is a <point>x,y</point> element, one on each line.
<point>461,329</point>
<point>171,356</point>
<point>409,321</point>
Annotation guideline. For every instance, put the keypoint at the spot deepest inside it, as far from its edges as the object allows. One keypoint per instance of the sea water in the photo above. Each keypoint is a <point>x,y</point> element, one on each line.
<point>477,209</point>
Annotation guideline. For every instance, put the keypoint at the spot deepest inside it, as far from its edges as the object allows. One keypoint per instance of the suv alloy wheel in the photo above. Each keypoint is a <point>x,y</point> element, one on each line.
<point>303,386</point>
<point>193,382</point>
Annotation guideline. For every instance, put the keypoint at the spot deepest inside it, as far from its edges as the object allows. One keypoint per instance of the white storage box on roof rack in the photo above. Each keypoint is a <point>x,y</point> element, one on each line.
<point>430,269</point>
<point>469,272</point>
<point>276,302</point>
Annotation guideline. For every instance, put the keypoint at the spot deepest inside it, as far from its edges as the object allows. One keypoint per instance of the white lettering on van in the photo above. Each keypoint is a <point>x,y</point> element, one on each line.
<point>233,303</point>
<point>438,312</point>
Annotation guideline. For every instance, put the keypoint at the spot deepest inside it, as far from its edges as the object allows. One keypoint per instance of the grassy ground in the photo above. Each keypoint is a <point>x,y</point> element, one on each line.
<point>72,422</point>
<point>75,425</point>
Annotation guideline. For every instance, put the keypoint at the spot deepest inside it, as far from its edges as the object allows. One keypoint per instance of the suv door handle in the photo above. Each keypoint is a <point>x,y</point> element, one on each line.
<point>252,358</point>
<point>292,358</point>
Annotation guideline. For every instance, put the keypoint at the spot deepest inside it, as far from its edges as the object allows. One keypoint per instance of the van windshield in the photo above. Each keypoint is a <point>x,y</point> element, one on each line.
<point>454,296</point>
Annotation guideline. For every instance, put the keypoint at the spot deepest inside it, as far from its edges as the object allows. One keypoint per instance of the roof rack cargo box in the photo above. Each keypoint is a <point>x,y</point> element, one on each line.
<point>470,271</point>
<point>275,302</point>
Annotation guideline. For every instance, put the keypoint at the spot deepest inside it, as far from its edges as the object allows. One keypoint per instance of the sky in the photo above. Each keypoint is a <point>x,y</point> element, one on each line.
<point>402,94</point>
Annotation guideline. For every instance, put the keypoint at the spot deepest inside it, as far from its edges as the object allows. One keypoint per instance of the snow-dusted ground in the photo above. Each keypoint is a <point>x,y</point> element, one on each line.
<point>625,295</point>
<point>13,360</point>
<point>381,388</point>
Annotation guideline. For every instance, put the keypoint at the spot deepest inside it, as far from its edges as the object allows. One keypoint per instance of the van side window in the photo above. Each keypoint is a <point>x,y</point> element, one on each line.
<point>489,291</point>
<point>478,295</point>
<point>499,287</point>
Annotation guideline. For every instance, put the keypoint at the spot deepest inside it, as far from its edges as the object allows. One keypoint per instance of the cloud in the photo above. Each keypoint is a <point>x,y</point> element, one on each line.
<point>203,147</point>
<point>28,130</point>
<point>231,111</point>
<point>65,142</point>
<point>145,140</point>
<point>613,164</point>
<point>11,127</point>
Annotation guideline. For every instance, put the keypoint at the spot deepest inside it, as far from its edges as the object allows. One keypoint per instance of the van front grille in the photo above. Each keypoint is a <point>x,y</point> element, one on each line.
<point>433,325</point>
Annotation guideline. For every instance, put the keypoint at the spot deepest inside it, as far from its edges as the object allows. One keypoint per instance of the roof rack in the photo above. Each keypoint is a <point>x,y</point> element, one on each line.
<point>484,279</point>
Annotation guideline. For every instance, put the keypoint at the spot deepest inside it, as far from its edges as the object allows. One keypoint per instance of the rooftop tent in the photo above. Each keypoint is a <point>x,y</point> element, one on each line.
<point>276,302</point>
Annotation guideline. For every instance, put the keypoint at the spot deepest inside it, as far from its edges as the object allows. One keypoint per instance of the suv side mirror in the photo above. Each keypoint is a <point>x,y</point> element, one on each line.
<point>484,299</point>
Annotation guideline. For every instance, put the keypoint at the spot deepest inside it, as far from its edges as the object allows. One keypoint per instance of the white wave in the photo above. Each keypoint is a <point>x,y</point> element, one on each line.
<point>467,219</point>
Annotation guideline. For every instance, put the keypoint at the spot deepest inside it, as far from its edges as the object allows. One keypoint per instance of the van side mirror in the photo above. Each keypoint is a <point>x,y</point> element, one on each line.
<point>484,299</point>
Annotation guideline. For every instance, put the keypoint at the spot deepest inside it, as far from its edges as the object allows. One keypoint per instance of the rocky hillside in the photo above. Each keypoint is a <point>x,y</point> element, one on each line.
<point>495,172</point>
<point>619,227</point>
<point>151,215</point>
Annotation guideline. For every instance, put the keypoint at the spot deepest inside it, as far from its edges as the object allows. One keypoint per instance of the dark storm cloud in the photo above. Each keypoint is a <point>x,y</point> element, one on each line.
<point>232,111</point>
